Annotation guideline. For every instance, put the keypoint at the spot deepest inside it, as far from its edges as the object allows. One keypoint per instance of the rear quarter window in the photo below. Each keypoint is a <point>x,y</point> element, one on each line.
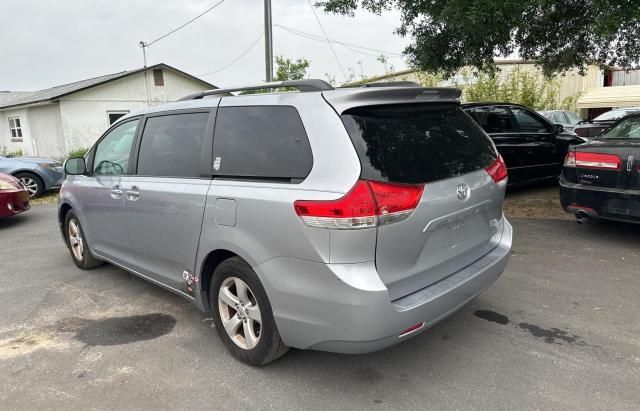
<point>262,142</point>
<point>417,143</point>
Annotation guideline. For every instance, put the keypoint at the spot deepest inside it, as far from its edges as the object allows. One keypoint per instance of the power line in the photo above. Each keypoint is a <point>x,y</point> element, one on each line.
<point>244,53</point>
<point>342,43</point>
<point>328,41</point>
<point>185,24</point>
<point>353,49</point>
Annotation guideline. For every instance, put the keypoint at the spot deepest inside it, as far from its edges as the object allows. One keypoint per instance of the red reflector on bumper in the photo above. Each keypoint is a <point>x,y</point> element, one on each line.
<point>411,329</point>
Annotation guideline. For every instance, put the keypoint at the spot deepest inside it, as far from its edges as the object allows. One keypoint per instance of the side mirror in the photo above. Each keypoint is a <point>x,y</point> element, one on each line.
<point>75,166</point>
<point>558,128</point>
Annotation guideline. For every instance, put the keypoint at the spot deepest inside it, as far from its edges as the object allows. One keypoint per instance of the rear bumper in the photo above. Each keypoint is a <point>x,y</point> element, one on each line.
<point>346,308</point>
<point>13,202</point>
<point>601,202</point>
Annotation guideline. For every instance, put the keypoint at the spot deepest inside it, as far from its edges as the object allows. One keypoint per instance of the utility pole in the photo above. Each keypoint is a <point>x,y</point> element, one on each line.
<point>268,41</point>
<point>144,46</point>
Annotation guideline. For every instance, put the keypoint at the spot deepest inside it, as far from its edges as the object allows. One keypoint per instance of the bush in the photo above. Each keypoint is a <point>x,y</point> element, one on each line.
<point>77,152</point>
<point>517,86</point>
<point>4,151</point>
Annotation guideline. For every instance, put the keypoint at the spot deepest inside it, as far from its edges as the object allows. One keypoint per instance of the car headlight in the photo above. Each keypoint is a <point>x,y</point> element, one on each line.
<point>51,166</point>
<point>6,186</point>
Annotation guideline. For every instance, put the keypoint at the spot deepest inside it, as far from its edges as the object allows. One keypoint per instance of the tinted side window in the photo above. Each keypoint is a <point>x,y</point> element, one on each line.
<point>113,151</point>
<point>493,119</point>
<point>261,142</point>
<point>172,145</point>
<point>527,122</point>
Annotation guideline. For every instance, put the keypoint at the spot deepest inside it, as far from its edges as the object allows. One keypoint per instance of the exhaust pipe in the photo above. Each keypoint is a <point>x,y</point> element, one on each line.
<point>582,217</point>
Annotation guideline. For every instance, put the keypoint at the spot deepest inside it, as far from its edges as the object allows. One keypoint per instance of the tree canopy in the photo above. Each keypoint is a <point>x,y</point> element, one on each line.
<point>288,69</point>
<point>558,34</point>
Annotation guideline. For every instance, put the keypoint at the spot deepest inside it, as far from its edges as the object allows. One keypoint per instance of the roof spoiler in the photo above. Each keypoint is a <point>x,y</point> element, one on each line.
<point>301,85</point>
<point>346,98</point>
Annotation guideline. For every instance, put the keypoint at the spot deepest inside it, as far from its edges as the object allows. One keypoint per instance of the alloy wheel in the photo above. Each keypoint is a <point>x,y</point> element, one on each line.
<point>30,184</point>
<point>75,240</point>
<point>240,313</point>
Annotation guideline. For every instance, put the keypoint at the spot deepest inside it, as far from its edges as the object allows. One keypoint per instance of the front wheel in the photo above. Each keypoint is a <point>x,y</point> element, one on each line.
<point>32,183</point>
<point>242,314</point>
<point>77,243</point>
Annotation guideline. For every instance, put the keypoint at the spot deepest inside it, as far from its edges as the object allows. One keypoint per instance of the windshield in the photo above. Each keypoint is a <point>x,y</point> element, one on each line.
<point>614,115</point>
<point>573,117</point>
<point>626,129</point>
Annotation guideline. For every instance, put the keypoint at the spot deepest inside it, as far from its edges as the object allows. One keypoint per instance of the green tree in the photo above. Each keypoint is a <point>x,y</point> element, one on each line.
<point>559,34</point>
<point>288,69</point>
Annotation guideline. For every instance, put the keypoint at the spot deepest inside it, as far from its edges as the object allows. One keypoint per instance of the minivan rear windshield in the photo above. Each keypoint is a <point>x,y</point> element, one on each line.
<point>417,143</point>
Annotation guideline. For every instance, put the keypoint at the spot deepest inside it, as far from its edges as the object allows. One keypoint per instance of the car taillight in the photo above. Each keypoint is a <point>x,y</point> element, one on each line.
<point>599,161</point>
<point>570,159</point>
<point>368,204</point>
<point>497,170</point>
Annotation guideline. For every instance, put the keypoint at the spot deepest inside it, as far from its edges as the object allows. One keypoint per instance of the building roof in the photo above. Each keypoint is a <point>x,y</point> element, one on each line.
<point>8,96</point>
<point>616,96</point>
<point>20,98</point>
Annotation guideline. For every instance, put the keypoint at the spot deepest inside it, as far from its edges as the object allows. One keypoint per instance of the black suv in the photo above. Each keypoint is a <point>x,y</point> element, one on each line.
<point>532,147</point>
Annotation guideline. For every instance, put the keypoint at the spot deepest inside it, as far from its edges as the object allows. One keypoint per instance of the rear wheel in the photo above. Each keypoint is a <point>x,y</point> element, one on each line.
<point>77,244</point>
<point>32,182</point>
<point>242,314</point>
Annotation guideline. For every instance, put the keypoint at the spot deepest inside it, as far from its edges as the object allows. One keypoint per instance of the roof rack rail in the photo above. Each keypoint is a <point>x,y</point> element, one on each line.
<point>301,85</point>
<point>392,84</point>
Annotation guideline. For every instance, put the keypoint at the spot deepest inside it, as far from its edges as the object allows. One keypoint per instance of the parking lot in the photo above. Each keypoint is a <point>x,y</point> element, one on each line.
<point>560,329</point>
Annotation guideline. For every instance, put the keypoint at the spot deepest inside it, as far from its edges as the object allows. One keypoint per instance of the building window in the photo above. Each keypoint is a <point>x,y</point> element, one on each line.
<point>116,115</point>
<point>15,128</point>
<point>158,77</point>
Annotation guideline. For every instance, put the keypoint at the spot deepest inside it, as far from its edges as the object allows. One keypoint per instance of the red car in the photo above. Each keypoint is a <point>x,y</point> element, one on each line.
<point>14,197</point>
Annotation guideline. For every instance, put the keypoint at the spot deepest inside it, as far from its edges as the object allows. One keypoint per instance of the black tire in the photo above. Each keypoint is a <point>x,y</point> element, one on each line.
<point>31,180</point>
<point>270,346</point>
<point>88,261</point>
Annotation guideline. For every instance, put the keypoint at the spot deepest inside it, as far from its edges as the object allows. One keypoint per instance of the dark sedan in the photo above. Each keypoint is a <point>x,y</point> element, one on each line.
<point>532,147</point>
<point>592,128</point>
<point>14,198</point>
<point>601,179</point>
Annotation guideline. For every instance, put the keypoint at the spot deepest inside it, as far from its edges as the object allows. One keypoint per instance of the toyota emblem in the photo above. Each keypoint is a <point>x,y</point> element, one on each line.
<point>463,191</point>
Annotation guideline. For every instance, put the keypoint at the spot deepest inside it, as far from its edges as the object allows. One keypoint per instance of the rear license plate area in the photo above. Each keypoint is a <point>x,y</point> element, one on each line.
<point>620,206</point>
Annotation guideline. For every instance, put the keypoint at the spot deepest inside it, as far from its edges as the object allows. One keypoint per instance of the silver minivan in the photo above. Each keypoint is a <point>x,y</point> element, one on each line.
<point>342,220</point>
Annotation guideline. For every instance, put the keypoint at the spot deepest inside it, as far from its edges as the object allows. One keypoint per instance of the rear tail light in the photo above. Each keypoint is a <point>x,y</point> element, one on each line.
<point>497,170</point>
<point>368,204</point>
<point>599,161</point>
<point>570,159</point>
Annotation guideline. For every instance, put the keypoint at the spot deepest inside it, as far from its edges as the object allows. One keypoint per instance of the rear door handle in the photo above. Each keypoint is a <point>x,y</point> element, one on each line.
<point>133,194</point>
<point>116,192</point>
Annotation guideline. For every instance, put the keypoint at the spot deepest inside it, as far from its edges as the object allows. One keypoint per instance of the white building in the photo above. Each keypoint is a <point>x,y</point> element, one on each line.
<point>49,123</point>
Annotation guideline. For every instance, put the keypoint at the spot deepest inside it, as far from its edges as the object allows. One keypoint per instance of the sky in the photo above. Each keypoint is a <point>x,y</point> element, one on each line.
<point>47,43</point>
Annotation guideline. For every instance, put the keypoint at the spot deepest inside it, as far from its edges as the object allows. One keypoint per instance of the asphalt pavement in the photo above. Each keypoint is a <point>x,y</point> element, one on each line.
<point>559,330</point>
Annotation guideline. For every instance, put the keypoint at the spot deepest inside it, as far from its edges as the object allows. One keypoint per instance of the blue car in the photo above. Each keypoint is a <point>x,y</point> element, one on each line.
<point>37,174</point>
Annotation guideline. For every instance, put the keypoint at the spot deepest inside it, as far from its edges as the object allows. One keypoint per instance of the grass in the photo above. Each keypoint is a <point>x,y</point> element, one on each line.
<point>48,198</point>
<point>535,202</point>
